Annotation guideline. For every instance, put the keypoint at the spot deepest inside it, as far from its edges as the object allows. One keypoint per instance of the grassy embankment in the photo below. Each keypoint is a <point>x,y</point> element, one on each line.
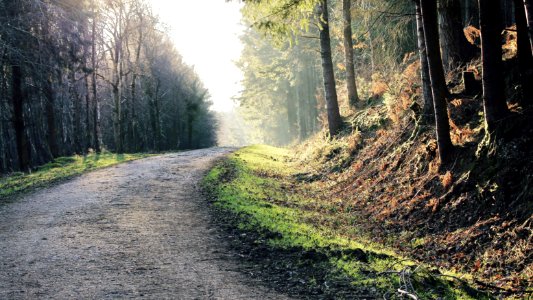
<point>60,169</point>
<point>261,187</point>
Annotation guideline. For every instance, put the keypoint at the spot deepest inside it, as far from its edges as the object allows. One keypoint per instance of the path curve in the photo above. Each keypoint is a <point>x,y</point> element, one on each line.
<point>136,230</point>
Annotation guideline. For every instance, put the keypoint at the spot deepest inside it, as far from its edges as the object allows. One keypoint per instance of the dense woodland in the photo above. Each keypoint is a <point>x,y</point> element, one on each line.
<point>82,76</point>
<point>419,118</point>
<point>306,63</point>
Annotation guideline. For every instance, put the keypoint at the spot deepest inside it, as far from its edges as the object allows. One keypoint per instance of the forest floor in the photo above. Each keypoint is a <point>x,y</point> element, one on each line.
<point>136,230</point>
<point>256,228</point>
<point>306,236</point>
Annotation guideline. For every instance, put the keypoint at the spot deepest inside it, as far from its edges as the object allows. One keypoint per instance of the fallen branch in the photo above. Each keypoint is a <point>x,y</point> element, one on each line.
<point>414,297</point>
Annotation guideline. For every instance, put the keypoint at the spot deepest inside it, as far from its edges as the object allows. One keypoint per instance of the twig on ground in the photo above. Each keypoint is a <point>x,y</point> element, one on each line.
<point>414,297</point>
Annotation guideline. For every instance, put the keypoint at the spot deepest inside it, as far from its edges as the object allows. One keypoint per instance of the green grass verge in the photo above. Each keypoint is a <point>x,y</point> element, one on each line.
<point>60,169</point>
<point>257,183</point>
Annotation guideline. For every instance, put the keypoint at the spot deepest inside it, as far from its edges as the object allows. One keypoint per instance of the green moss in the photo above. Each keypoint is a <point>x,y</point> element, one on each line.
<point>257,184</point>
<point>59,169</point>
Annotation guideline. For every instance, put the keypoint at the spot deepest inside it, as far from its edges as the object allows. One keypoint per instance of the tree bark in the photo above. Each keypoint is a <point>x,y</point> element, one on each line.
<point>17,99</point>
<point>456,50</point>
<point>438,83</point>
<point>117,119</point>
<point>96,105</point>
<point>428,109</point>
<point>291,112</point>
<point>117,98</point>
<point>525,59</point>
<point>302,114</point>
<point>50,96</point>
<point>353,98</point>
<point>158,133</point>
<point>87,114</point>
<point>528,4</point>
<point>76,111</point>
<point>332,105</point>
<point>134,135</point>
<point>3,115</point>
<point>494,103</point>
<point>471,14</point>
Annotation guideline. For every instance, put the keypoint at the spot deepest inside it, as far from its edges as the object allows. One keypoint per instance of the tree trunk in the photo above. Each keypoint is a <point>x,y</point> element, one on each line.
<point>302,114</point>
<point>470,13</point>
<point>3,116</point>
<point>17,99</point>
<point>291,112</point>
<point>117,119</point>
<point>528,4</point>
<point>87,114</point>
<point>353,98</point>
<point>96,117</point>
<point>76,112</point>
<point>312,105</point>
<point>134,87</point>
<point>158,133</point>
<point>456,50</point>
<point>332,105</point>
<point>189,131</point>
<point>96,104</point>
<point>428,110</point>
<point>438,83</point>
<point>50,96</point>
<point>506,15</point>
<point>494,103</point>
<point>525,59</point>
<point>133,121</point>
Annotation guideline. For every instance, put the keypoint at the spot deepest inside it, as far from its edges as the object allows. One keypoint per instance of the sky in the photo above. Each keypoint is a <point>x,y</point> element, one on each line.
<point>206,33</point>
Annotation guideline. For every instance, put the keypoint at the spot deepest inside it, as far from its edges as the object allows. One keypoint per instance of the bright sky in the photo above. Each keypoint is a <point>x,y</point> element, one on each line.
<point>206,33</point>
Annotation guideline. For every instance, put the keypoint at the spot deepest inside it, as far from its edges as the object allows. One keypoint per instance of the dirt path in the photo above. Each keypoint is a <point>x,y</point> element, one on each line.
<point>136,230</point>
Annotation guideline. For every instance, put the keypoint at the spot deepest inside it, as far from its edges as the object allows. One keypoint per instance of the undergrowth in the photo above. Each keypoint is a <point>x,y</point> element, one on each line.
<point>378,205</point>
<point>264,188</point>
<point>60,169</point>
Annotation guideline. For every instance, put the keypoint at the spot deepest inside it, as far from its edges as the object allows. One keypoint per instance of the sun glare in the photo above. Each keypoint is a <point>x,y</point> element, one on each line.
<point>206,33</point>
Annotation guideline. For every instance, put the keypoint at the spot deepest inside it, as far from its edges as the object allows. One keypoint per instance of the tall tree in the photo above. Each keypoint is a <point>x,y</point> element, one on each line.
<point>456,50</point>
<point>17,99</point>
<point>118,26</point>
<point>524,53</point>
<point>438,82</point>
<point>494,104</point>
<point>96,102</point>
<point>292,111</point>
<point>16,61</point>
<point>428,109</point>
<point>528,4</point>
<point>353,97</point>
<point>332,105</point>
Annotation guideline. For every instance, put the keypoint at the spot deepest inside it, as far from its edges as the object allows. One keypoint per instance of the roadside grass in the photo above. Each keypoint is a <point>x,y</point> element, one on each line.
<point>60,169</point>
<point>258,185</point>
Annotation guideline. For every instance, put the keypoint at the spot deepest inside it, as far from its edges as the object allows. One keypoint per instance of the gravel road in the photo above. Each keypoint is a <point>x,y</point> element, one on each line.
<point>136,230</point>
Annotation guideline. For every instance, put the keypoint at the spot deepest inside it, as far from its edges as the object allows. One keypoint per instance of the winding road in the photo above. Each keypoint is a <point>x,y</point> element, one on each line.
<point>135,230</point>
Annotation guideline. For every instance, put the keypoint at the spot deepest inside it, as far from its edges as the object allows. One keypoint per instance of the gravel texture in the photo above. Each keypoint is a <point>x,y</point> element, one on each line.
<point>136,230</point>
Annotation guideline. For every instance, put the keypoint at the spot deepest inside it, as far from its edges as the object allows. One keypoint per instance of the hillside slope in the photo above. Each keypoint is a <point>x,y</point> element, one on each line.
<point>382,210</point>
